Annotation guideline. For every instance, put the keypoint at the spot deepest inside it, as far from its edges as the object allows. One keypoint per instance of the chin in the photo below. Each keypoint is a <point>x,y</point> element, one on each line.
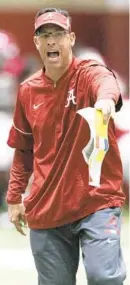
<point>54,62</point>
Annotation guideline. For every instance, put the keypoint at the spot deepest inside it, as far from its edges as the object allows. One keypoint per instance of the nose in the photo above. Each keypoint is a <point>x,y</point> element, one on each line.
<point>51,41</point>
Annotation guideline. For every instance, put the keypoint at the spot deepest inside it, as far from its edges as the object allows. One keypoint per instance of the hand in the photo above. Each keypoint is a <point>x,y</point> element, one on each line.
<point>16,215</point>
<point>107,106</point>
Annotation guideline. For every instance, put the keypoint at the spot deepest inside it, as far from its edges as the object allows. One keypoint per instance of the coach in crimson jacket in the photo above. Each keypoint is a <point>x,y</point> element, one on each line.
<point>62,210</point>
<point>49,137</point>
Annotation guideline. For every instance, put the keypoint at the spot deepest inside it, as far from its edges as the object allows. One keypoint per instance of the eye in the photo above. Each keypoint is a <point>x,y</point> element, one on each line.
<point>59,33</point>
<point>45,35</point>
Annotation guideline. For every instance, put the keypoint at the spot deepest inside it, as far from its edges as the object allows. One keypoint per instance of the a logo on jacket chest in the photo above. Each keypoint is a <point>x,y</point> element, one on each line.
<point>71,99</point>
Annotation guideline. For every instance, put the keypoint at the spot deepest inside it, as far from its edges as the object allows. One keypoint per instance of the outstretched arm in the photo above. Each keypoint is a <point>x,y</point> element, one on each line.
<point>105,92</point>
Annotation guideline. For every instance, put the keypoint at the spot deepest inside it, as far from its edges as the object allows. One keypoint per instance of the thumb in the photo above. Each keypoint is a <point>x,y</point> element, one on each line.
<point>113,111</point>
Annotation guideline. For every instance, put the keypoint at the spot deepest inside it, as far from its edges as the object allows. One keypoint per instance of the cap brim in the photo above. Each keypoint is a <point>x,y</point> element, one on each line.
<point>52,22</point>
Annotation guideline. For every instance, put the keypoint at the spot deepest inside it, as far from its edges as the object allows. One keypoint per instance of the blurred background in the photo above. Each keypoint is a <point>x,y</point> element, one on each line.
<point>102,33</point>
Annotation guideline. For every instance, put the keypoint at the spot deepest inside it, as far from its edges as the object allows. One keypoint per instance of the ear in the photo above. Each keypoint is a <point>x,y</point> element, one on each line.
<point>36,42</point>
<point>72,39</point>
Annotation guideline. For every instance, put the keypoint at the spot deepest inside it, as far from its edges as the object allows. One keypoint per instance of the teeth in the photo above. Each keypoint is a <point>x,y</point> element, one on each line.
<point>53,54</point>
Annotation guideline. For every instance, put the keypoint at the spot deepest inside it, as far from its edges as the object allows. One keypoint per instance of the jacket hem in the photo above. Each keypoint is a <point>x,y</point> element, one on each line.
<point>73,218</point>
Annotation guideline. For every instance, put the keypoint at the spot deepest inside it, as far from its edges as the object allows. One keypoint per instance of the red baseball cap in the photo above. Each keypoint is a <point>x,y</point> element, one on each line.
<point>53,18</point>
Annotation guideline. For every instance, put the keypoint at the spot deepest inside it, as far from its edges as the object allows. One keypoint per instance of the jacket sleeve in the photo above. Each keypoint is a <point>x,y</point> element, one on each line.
<point>21,170</point>
<point>20,138</point>
<point>20,135</point>
<point>104,85</point>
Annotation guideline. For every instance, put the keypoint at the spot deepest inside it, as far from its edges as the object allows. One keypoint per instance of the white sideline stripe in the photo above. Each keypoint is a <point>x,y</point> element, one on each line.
<point>20,130</point>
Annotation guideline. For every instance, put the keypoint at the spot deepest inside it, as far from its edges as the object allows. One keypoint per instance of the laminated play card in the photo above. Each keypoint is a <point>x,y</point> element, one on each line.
<point>98,145</point>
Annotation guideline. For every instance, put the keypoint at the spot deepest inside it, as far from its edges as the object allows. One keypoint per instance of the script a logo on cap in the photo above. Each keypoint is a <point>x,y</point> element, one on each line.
<point>48,16</point>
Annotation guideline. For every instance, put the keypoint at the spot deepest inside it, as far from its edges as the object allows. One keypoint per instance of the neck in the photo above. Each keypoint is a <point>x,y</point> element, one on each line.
<point>55,73</point>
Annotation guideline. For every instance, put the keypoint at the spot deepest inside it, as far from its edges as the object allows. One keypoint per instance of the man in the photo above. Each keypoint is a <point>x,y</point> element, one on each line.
<point>62,209</point>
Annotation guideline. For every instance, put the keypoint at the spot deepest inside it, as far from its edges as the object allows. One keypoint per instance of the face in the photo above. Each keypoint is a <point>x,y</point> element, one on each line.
<point>55,46</point>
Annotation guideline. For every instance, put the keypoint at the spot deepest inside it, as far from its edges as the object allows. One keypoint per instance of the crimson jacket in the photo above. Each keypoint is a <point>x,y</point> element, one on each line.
<point>49,137</point>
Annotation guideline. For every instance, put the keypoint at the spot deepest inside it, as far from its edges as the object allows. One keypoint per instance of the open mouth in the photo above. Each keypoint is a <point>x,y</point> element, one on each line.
<point>53,54</point>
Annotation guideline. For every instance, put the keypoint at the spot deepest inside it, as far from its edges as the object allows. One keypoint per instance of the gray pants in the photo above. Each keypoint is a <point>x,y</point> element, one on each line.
<point>56,250</point>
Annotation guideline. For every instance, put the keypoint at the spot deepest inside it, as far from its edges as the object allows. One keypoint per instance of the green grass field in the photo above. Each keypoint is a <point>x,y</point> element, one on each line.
<point>16,262</point>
